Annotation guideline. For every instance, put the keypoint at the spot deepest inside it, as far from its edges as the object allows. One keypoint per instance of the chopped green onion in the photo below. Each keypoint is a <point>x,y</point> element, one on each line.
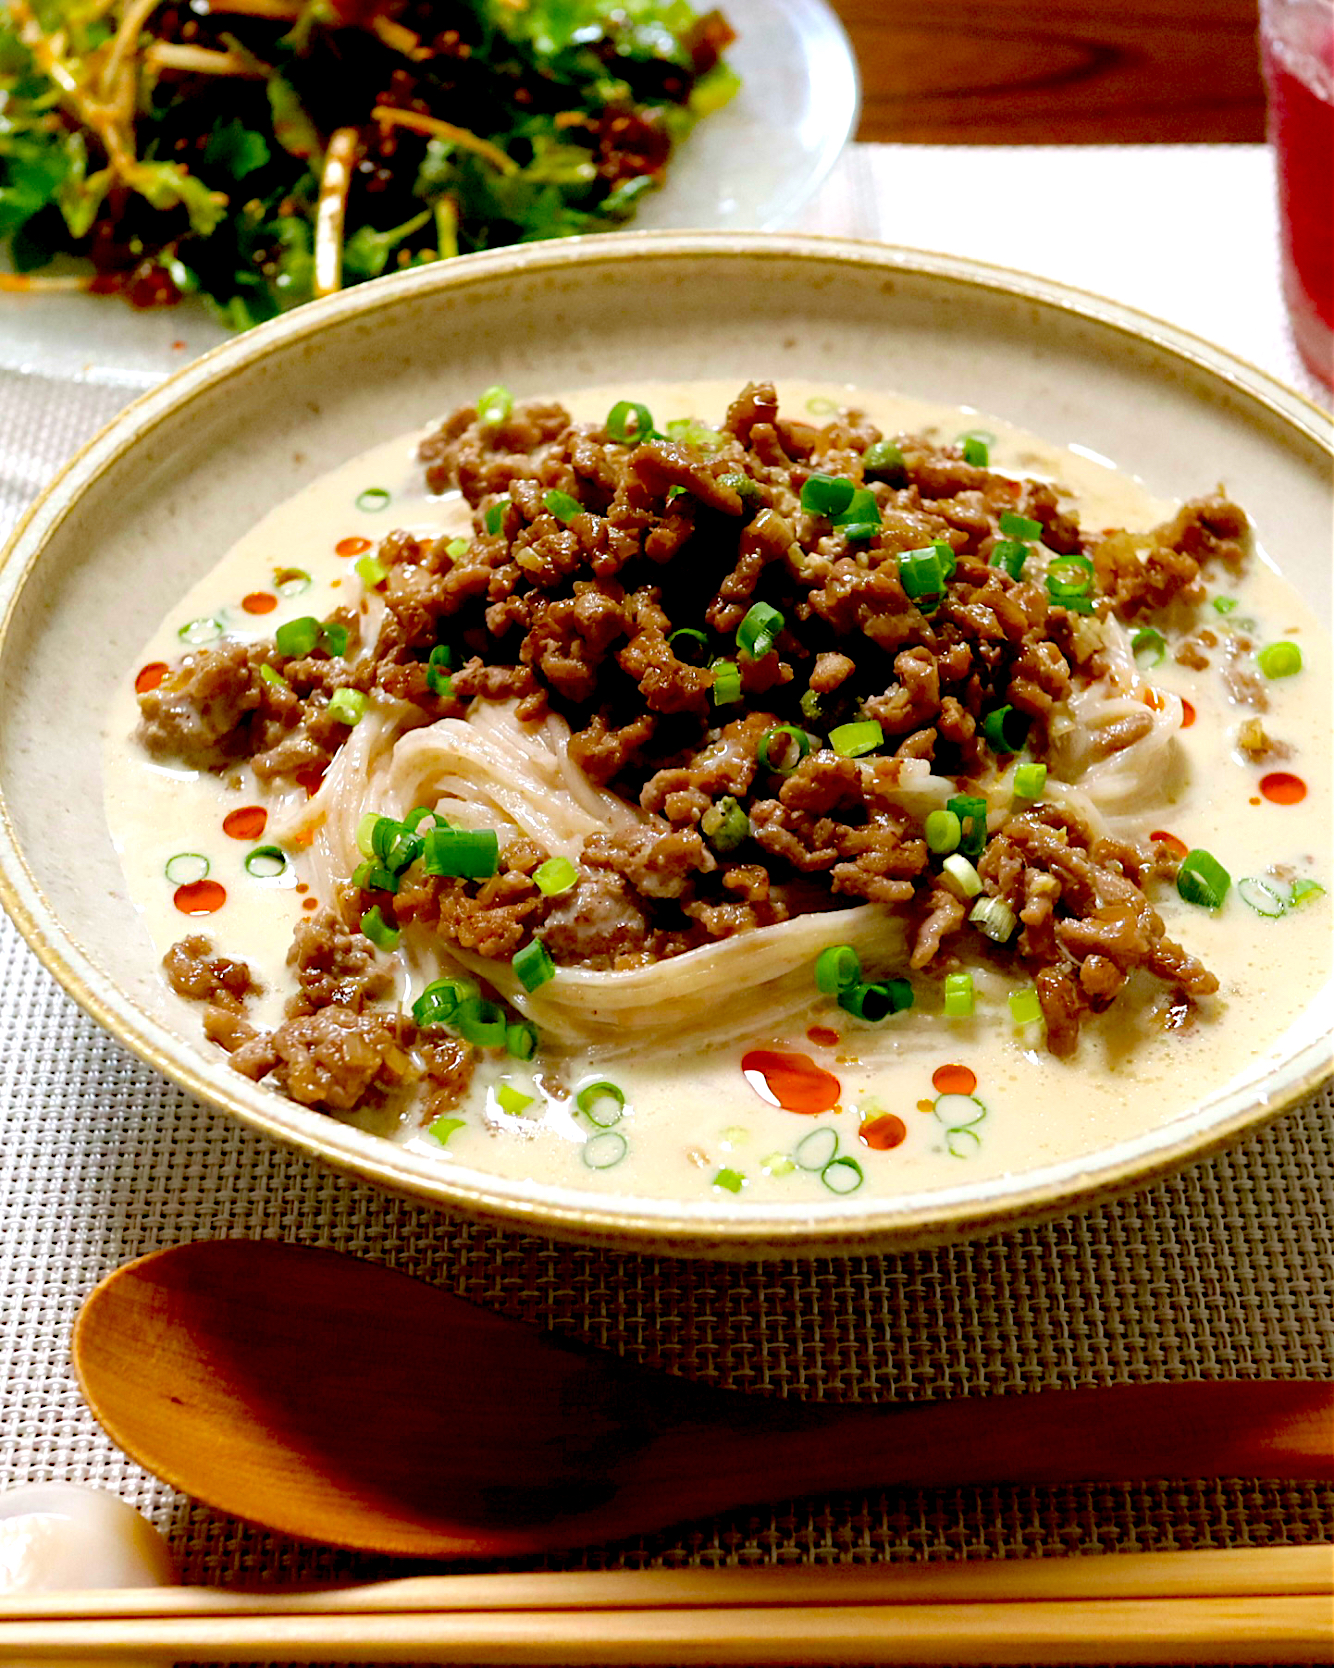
<point>862,518</point>
<point>777,1164</point>
<point>689,431</point>
<point>186,868</point>
<point>1025,1006</point>
<point>756,634</point>
<point>602,1151</point>
<point>334,638</point>
<point>1069,576</point>
<point>521,1039</point>
<point>959,995</point>
<point>827,495</point>
<point>512,1100</point>
<point>371,572</point>
<point>810,705</point>
<point>837,968</point>
<point>441,655</point>
<point>1149,647</point>
<point>689,645</point>
<point>920,572</point>
<point>492,517</point>
<point>877,1001</point>
<point>863,735</point>
<point>439,1002</point>
<point>725,824</point>
<point>291,582</point>
<point>1303,891</point>
<point>975,448</point>
<point>946,554</point>
<point>481,1023</point>
<point>971,809</point>
<point>444,1127</point>
<point>843,1175</point>
<point>1029,781</point>
<point>440,684</point>
<point>602,1103</point>
<point>1011,555</point>
<point>1020,526</point>
<point>994,918</point>
<point>347,705</point>
<point>556,875</point>
<point>378,930</point>
<point>815,1151</point>
<point>727,683</point>
<point>494,406</point>
<point>467,853</point>
<point>204,630</point>
<point>562,506</point>
<point>942,832</point>
<point>456,548</point>
<point>959,876</point>
<point>1261,896</point>
<point>1223,605</point>
<point>366,828</point>
<point>629,422</point>
<point>883,455</point>
<point>1280,660</point>
<point>373,499</point>
<point>275,679</point>
<point>1202,879</point>
<point>418,815</point>
<point>1006,729</point>
<point>373,877</point>
<point>733,1180</point>
<point>533,965</point>
<point>296,638</point>
<point>265,862</point>
<point>784,737</point>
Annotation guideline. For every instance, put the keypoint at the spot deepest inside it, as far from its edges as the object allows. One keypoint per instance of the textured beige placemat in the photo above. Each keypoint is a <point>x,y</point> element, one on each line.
<point>1222,1271</point>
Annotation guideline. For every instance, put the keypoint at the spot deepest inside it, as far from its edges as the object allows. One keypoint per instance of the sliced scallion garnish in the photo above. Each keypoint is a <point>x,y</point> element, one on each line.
<point>1006,729</point>
<point>727,686</point>
<point>875,1002</point>
<point>1011,554</point>
<point>629,422</point>
<point>512,1100</point>
<point>851,741</point>
<point>533,965</point>
<point>1029,781</point>
<point>602,1151</point>
<point>883,456</point>
<point>760,626</point>
<point>555,876</point>
<point>1202,879</point>
<point>1025,1006</point>
<point>443,1127</point>
<point>1303,891</point>
<point>494,406</point>
<point>378,930</point>
<point>347,705</point>
<point>1020,526</point>
<point>371,572</point>
<point>843,1175</point>
<point>976,447</point>
<point>373,500</point>
<point>274,679</point>
<point>958,995</point>
<point>783,748</point>
<point>689,645</point>
<point>441,1000</point>
<point>920,572</point>
<point>994,918</point>
<point>1261,896</point>
<point>491,518</point>
<point>465,853</point>
<point>1280,660</point>
<point>814,1151</point>
<point>1149,647</point>
<point>291,582</point>
<point>733,1180</point>
<point>521,1039</point>
<point>971,809</point>
<point>186,868</point>
<point>942,832</point>
<point>265,862</point>
<point>959,876</point>
<point>334,639</point>
<point>725,824</point>
<point>602,1103</point>
<point>456,548</point>
<point>827,495</point>
<point>1223,605</point>
<point>562,505</point>
<point>203,630</point>
<point>481,1023</point>
<point>837,968</point>
<point>296,638</point>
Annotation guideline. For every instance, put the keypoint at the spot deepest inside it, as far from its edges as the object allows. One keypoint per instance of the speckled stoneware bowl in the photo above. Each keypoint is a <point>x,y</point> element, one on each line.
<point>144,511</point>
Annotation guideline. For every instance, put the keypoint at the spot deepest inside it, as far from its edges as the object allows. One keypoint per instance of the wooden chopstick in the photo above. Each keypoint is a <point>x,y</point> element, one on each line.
<point>1161,1631</point>
<point>1261,1605</point>
<point>1231,1573</point>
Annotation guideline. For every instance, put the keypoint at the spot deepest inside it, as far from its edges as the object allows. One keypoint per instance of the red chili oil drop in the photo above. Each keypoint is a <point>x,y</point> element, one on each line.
<point>310,903</point>
<point>882,1133</point>
<point>259,602</point>
<point>1188,714</point>
<point>1281,787</point>
<point>310,778</point>
<point>1255,799</point>
<point>352,547</point>
<point>200,897</point>
<point>150,676</point>
<point>954,1080</point>
<point>927,1106</point>
<point>247,823</point>
<point>793,1081</point>
<point>178,346</point>
<point>822,1036</point>
<point>1161,837</point>
<point>302,888</point>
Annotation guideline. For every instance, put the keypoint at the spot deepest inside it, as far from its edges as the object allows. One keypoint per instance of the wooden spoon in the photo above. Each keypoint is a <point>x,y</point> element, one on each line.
<point>335,1399</point>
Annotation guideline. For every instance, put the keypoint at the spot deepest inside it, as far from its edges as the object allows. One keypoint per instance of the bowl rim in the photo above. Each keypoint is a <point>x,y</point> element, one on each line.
<point>635,1223</point>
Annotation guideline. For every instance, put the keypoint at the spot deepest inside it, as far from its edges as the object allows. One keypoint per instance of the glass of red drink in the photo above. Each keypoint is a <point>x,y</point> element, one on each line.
<point>1297,45</point>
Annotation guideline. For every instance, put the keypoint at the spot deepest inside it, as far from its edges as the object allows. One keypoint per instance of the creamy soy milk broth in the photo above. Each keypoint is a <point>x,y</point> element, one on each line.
<point>692,1113</point>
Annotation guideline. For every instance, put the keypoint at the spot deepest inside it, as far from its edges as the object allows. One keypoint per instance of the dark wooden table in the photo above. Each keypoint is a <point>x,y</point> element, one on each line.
<point>1047,72</point>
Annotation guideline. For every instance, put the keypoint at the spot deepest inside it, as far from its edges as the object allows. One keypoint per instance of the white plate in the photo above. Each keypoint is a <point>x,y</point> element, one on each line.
<point>753,166</point>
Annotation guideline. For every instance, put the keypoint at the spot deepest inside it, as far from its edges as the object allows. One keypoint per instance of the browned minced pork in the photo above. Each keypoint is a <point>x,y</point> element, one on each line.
<point>335,1058</point>
<point>196,973</point>
<point>604,581</point>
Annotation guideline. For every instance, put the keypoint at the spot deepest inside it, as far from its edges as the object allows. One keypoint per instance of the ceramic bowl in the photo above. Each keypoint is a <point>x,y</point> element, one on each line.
<point>143,511</point>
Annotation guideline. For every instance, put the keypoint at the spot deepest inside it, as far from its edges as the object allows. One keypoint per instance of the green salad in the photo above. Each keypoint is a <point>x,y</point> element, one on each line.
<point>261,152</point>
